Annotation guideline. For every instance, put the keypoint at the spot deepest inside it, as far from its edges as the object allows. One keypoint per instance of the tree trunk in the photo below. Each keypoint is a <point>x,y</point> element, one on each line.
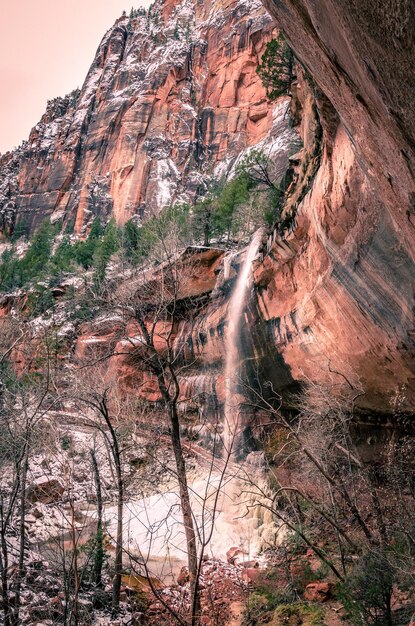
<point>116,453</point>
<point>74,613</point>
<point>116,588</point>
<point>99,549</point>
<point>22,535</point>
<point>119,546</point>
<point>206,232</point>
<point>170,400</point>
<point>4,579</point>
<point>186,512</point>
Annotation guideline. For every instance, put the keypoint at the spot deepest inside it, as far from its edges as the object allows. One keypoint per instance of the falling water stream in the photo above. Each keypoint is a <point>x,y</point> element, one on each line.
<point>237,304</point>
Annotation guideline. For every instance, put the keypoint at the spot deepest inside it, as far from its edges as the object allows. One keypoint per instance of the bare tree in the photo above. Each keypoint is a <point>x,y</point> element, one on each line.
<point>99,551</point>
<point>94,407</point>
<point>157,300</point>
<point>258,167</point>
<point>24,401</point>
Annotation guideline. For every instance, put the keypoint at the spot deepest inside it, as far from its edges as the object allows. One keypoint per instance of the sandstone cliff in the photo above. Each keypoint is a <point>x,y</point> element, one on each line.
<point>344,293</point>
<point>334,296</point>
<point>171,95</point>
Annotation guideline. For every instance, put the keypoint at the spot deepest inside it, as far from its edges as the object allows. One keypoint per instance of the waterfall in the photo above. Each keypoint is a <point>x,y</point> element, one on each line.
<point>233,399</point>
<point>245,485</point>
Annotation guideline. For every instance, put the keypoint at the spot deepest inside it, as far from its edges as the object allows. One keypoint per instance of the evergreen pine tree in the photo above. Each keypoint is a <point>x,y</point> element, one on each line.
<point>131,241</point>
<point>235,193</point>
<point>36,259</point>
<point>277,68</point>
<point>203,217</point>
<point>187,32</point>
<point>63,256</point>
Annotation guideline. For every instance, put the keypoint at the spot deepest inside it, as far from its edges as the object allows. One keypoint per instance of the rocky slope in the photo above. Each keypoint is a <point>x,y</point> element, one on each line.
<point>170,95</point>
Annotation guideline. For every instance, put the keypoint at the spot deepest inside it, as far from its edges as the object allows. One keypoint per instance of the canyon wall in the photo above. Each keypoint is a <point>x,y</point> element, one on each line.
<point>344,295</point>
<point>334,295</point>
<point>171,96</point>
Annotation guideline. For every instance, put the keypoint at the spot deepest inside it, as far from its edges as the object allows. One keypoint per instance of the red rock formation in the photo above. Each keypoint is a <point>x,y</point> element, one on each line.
<point>318,592</point>
<point>168,96</point>
<point>340,291</point>
<point>335,296</point>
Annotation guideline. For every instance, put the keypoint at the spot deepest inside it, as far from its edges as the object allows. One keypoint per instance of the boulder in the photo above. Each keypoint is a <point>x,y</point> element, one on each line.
<point>45,489</point>
<point>183,577</point>
<point>234,554</point>
<point>250,574</point>
<point>53,610</point>
<point>250,564</point>
<point>318,592</point>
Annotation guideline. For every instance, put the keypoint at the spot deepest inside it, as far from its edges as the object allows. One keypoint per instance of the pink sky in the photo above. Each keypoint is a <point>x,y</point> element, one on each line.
<point>46,48</point>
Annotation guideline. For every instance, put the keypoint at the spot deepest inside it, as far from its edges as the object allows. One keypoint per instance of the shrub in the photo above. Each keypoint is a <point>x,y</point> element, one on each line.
<point>93,548</point>
<point>367,591</point>
<point>40,301</point>
<point>83,310</point>
<point>66,442</point>
<point>309,615</point>
<point>271,585</point>
<point>256,606</point>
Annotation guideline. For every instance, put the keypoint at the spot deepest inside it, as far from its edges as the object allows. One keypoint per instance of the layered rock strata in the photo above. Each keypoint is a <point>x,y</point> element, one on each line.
<point>171,95</point>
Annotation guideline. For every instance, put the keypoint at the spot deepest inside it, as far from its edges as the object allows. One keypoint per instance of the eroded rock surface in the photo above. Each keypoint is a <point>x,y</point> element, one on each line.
<point>334,296</point>
<point>170,96</point>
<point>339,292</point>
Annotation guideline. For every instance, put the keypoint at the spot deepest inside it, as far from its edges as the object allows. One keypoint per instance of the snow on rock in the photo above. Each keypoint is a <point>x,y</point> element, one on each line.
<point>171,95</point>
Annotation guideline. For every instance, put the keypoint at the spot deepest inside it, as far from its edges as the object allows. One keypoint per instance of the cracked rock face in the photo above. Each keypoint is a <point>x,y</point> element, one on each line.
<point>168,97</point>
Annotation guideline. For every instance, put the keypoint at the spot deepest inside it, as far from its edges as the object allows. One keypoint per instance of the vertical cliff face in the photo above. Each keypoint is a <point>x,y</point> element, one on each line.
<point>170,95</point>
<point>338,293</point>
<point>361,57</point>
<point>334,299</point>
